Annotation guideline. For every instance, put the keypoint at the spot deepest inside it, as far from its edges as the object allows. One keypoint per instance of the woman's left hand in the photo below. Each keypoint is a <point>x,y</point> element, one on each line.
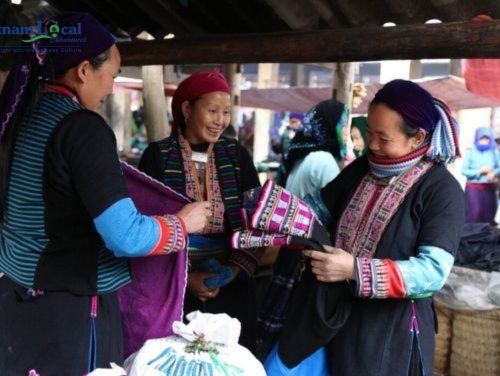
<point>332,266</point>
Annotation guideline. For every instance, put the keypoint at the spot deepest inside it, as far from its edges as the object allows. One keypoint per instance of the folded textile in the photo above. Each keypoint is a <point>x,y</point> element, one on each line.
<point>479,247</point>
<point>280,212</point>
<point>317,310</point>
<point>154,299</point>
<point>275,217</point>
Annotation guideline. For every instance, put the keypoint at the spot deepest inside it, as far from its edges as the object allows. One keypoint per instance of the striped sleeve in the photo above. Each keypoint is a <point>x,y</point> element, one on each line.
<point>128,233</point>
<point>417,277</point>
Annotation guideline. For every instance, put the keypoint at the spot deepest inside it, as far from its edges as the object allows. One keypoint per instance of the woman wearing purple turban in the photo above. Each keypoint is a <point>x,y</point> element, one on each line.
<point>395,218</point>
<point>482,168</point>
<point>68,224</point>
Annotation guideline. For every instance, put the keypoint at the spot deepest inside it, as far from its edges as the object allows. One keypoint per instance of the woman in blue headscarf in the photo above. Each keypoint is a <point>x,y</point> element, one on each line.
<point>482,168</point>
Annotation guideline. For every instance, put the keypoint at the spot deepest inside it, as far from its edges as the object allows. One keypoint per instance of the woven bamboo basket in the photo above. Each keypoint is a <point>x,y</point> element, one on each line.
<point>443,340</point>
<point>475,344</point>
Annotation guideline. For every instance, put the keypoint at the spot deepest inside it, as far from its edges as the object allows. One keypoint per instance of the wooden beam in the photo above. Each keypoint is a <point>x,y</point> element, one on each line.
<point>297,14</point>
<point>452,40</point>
<point>171,20</point>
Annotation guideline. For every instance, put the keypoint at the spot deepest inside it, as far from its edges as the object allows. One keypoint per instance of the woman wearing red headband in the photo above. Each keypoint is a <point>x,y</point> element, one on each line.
<point>196,161</point>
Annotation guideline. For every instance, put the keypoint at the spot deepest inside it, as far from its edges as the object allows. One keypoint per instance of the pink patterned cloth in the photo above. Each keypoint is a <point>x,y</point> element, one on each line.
<point>279,211</point>
<point>277,218</point>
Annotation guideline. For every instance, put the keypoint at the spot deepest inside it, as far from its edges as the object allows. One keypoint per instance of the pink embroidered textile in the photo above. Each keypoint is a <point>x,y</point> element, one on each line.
<point>363,222</point>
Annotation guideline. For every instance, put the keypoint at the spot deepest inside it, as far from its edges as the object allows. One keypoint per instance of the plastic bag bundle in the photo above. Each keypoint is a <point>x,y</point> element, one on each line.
<point>208,345</point>
<point>470,289</point>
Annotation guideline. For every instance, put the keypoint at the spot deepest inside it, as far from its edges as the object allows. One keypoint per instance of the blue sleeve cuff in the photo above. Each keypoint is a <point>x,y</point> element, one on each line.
<point>125,231</point>
<point>427,272</point>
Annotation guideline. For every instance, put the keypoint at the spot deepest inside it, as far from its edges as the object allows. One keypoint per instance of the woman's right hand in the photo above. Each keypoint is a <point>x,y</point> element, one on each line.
<point>194,216</point>
<point>197,287</point>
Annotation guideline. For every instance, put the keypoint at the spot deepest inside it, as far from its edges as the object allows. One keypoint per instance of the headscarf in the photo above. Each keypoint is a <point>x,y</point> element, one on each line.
<point>360,123</point>
<point>484,132</point>
<point>296,115</point>
<point>422,111</point>
<point>193,87</point>
<point>321,130</point>
<point>50,55</point>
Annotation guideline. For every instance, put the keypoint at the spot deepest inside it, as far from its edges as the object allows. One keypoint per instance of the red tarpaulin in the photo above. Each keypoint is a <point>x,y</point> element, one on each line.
<point>482,76</point>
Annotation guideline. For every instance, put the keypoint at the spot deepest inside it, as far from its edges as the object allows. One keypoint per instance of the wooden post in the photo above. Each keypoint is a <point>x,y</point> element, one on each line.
<point>118,114</point>
<point>297,75</point>
<point>343,83</point>
<point>456,67</point>
<point>155,109</point>
<point>125,115</point>
<point>267,77</point>
<point>415,69</point>
<point>232,72</point>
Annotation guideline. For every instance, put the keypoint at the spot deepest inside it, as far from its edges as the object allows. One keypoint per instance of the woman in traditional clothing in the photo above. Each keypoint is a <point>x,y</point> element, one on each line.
<point>67,222</point>
<point>358,136</point>
<point>482,168</point>
<point>197,162</point>
<point>311,162</point>
<point>395,218</point>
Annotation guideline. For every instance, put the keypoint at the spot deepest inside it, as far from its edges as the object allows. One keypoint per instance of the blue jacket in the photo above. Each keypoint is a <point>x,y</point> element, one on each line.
<point>475,160</point>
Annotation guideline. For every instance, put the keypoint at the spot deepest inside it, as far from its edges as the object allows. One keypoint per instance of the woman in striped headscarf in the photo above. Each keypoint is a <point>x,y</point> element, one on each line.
<point>395,218</point>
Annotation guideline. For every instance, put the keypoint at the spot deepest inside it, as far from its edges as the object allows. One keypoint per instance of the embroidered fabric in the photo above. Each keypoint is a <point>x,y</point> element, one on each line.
<point>362,224</point>
<point>206,188</point>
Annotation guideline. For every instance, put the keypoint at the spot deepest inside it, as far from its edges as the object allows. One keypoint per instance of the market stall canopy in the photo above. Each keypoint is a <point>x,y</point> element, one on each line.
<point>299,99</point>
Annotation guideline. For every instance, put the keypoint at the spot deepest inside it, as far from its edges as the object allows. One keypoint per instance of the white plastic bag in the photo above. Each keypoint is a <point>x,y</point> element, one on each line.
<point>178,356</point>
<point>470,289</point>
<point>113,371</point>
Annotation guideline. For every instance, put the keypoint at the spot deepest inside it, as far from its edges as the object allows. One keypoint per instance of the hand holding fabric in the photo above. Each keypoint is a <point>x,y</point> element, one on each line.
<point>195,216</point>
<point>333,265</point>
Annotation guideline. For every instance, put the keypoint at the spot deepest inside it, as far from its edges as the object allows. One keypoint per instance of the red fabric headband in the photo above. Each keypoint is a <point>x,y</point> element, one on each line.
<point>195,86</point>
